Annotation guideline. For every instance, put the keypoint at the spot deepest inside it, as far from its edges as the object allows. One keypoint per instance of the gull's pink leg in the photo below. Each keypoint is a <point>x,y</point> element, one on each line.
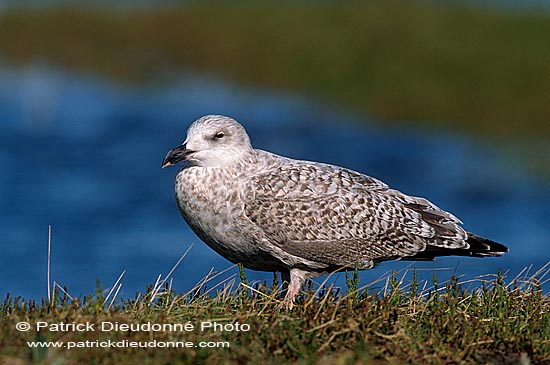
<point>297,279</point>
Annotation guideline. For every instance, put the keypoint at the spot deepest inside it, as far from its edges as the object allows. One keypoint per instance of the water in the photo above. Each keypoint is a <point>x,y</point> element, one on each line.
<point>83,154</point>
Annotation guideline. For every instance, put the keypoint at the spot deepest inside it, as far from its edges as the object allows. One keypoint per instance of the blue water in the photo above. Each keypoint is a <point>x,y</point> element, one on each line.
<point>83,154</point>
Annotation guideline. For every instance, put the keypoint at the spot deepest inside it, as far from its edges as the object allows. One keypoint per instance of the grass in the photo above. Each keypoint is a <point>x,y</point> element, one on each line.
<point>405,321</point>
<point>468,68</point>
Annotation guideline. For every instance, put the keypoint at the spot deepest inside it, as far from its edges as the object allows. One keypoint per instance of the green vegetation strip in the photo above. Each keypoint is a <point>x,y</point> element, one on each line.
<point>473,69</point>
<point>444,324</point>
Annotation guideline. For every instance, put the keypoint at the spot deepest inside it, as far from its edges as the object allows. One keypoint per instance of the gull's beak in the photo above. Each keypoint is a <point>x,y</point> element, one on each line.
<point>180,153</point>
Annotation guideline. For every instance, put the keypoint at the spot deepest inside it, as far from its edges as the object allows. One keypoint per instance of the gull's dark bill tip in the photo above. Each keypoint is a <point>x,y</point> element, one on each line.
<point>180,153</point>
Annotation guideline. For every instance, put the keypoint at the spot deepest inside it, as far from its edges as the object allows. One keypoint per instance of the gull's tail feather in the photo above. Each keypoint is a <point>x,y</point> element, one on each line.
<point>479,247</point>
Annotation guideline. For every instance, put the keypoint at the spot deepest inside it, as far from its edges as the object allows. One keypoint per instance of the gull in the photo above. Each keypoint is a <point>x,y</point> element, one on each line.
<point>303,218</point>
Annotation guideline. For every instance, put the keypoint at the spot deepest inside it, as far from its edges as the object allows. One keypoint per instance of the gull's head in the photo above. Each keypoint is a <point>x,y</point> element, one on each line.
<point>212,141</point>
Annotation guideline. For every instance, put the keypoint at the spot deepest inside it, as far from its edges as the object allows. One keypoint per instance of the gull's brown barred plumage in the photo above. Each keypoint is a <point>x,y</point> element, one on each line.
<point>303,218</point>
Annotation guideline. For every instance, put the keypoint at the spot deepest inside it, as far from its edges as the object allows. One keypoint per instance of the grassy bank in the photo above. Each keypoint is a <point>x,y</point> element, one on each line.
<point>473,69</point>
<point>500,323</point>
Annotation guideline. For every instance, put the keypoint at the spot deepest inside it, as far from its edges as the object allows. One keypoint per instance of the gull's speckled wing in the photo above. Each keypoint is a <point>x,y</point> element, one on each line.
<point>339,217</point>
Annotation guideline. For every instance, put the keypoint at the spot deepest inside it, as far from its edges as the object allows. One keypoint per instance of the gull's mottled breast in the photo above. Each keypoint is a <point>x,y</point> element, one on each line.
<point>212,201</point>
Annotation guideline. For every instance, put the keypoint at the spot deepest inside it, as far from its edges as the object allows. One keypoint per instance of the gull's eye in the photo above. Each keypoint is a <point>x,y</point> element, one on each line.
<point>219,135</point>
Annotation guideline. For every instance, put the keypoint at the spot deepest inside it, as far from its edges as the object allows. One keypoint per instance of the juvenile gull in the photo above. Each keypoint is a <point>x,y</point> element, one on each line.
<point>303,218</point>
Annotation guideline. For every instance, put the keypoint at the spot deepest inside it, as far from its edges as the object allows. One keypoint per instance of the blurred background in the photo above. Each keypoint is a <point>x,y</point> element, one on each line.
<point>449,100</point>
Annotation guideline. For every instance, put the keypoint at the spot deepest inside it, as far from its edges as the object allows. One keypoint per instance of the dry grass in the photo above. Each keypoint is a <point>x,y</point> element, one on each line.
<point>405,322</point>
